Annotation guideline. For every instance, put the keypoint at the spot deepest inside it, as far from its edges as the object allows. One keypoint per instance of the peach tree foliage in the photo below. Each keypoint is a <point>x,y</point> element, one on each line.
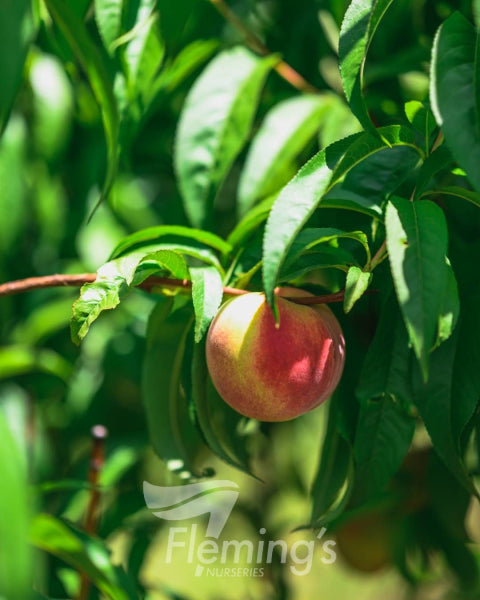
<point>385,205</point>
<point>421,362</point>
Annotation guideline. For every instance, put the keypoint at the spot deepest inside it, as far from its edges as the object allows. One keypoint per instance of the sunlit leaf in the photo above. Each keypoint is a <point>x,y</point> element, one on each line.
<point>207,293</point>
<point>357,31</point>
<point>417,244</point>
<point>454,91</point>
<point>214,126</point>
<point>356,285</point>
<point>286,129</point>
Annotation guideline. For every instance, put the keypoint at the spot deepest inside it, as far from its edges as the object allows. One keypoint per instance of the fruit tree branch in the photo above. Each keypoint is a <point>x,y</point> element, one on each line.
<point>59,280</point>
<point>255,43</point>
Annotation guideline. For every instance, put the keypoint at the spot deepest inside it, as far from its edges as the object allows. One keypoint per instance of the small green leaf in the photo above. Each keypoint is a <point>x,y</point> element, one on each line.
<point>421,118</point>
<point>466,374</point>
<point>249,224</point>
<point>456,192</point>
<point>331,487</point>
<point>386,369</point>
<point>143,54</point>
<point>108,15</point>
<point>112,284</point>
<point>74,30</point>
<point>416,234</point>
<point>84,553</point>
<point>184,64</point>
<point>165,260</point>
<point>15,551</point>
<point>214,126</point>
<point>454,91</point>
<point>15,33</point>
<point>358,27</point>
<point>383,437</point>
<point>207,294</point>
<point>173,435</point>
<point>436,404</point>
<point>326,258</point>
<point>169,233</point>
<point>311,237</point>
<point>356,285</point>
<point>218,422</point>
<point>436,162</point>
<point>285,131</point>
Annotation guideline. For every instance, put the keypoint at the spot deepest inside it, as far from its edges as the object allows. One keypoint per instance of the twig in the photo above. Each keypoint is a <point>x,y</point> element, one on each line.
<point>36,283</point>
<point>255,43</point>
<point>97,460</point>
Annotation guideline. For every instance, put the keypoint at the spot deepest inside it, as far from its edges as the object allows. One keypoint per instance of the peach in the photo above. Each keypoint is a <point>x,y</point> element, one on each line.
<point>269,372</point>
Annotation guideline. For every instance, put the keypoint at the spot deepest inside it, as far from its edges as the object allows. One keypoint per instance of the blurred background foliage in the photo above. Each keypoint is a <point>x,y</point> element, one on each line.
<point>53,162</point>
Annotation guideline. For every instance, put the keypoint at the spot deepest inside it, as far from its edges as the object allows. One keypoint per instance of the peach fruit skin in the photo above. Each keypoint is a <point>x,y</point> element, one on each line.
<point>269,373</point>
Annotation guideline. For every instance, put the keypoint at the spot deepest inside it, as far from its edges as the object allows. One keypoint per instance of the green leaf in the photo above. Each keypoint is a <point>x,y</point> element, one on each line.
<point>169,233</point>
<point>386,369</point>
<point>177,70</point>
<point>92,62</point>
<point>108,15</point>
<point>416,234</point>
<point>383,437</point>
<point>300,197</point>
<point>457,192</point>
<point>173,435</point>
<point>365,188</point>
<point>84,553</point>
<point>356,33</point>
<point>218,423</point>
<point>313,236</point>
<point>207,294</point>
<point>214,126</point>
<point>454,91</point>
<point>332,483</point>
<point>356,285</point>
<point>436,162</point>
<point>466,375</point>
<point>15,34</point>
<point>421,118</point>
<point>246,227</point>
<point>15,551</point>
<point>112,284</point>
<point>143,54</point>
<point>19,360</point>
<point>285,131</point>
<point>174,18</point>
<point>436,405</point>
<point>165,260</point>
<point>327,258</point>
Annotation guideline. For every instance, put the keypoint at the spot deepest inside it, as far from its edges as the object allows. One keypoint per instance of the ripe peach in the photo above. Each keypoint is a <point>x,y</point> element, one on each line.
<point>274,373</point>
